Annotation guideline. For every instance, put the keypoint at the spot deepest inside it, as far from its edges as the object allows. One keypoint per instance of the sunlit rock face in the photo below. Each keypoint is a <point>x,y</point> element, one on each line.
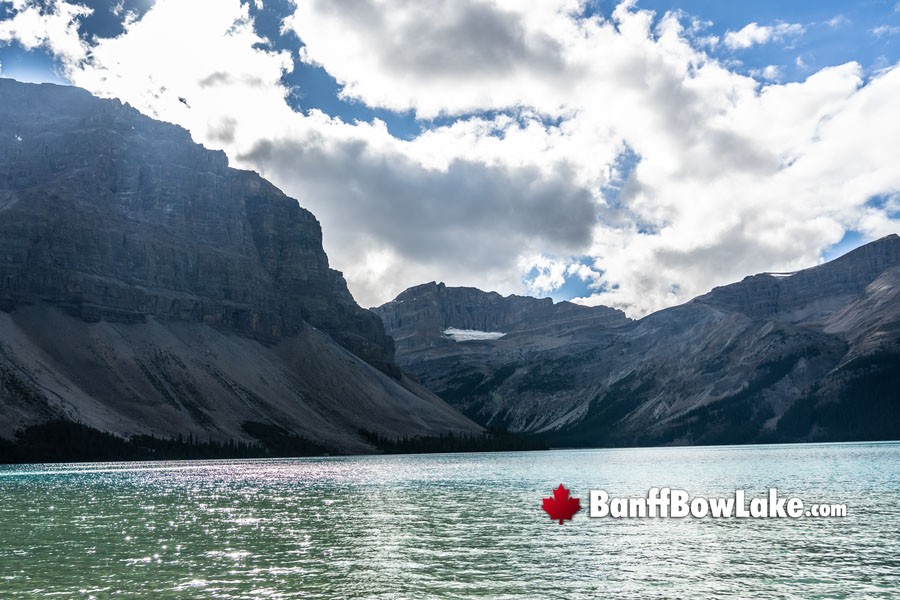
<point>813,355</point>
<point>110,217</point>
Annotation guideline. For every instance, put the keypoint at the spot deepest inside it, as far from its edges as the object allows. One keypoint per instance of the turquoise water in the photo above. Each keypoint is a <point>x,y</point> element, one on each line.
<point>448,526</point>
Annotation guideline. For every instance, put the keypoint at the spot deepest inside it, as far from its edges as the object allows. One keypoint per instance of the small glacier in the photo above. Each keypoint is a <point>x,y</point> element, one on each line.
<point>468,335</point>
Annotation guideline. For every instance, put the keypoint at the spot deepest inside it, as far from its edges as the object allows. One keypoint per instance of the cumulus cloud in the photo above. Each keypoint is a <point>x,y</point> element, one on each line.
<point>545,274</point>
<point>618,139</point>
<point>211,74</point>
<point>761,34</point>
<point>54,27</point>
<point>404,54</point>
<point>473,216</point>
<point>772,72</point>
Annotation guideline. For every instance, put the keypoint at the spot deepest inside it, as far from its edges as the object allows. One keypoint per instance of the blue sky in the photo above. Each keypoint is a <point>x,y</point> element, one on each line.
<point>513,148</point>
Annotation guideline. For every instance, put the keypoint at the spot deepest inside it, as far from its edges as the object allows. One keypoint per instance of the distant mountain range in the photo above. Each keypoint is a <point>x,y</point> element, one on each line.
<point>806,356</point>
<point>146,288</point>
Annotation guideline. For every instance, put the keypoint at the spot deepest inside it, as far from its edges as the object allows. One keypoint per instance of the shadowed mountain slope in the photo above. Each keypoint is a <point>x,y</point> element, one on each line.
<point>146,287</point>
<point>812,355</point>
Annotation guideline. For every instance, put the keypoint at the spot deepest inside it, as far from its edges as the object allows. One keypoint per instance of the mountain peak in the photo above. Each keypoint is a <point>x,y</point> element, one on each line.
<point>146,287</point>
<point>419,316</point>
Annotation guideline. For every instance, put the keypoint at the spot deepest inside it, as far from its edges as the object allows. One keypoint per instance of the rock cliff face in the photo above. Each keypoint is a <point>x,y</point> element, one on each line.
<point>135,233</point>
<point>813,355</point>
<point>111,215</point>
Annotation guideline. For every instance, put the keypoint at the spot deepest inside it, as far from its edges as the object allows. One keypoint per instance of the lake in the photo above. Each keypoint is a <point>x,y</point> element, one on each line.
<point>449,526</point>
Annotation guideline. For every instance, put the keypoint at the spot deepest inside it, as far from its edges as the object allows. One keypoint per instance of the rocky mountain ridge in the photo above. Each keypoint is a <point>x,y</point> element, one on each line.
<point>813,355</point>
<point>146,287</point>
<point>418,317</point>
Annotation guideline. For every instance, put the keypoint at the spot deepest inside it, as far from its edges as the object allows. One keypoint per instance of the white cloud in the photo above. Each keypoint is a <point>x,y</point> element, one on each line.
<point>53,26</point>
<point>583,272</point>
<point>771,72</point>
<point>886,30</point>
<point>404,54</point>
<point>761,34</point>
<point>709,41</point>
<point>668,169</point>
<point>545,274</point>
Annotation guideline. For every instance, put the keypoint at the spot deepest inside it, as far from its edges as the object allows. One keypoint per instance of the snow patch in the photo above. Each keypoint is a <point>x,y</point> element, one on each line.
<point>468,335</point>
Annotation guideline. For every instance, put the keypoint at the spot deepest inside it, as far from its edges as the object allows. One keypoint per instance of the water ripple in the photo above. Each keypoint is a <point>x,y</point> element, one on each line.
<point>447,526</point>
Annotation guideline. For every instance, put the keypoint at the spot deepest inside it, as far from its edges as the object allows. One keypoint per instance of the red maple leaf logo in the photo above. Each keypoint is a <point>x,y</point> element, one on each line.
<point>561,506</point>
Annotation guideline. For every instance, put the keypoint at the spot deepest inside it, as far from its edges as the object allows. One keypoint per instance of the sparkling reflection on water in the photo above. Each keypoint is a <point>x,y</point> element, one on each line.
<point>452,526</point>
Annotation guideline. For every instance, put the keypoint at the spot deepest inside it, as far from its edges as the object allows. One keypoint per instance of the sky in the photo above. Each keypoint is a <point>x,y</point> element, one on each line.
<point>630,154</point>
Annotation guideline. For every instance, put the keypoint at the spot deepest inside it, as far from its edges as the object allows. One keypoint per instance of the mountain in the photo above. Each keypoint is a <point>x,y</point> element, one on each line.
<point>418,317</point>
<point>806,356</point>
<point>147,288</point>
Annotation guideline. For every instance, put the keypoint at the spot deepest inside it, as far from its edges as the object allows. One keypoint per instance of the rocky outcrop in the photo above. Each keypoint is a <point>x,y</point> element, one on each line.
<point>146,287</point>
<point>813,355</point>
